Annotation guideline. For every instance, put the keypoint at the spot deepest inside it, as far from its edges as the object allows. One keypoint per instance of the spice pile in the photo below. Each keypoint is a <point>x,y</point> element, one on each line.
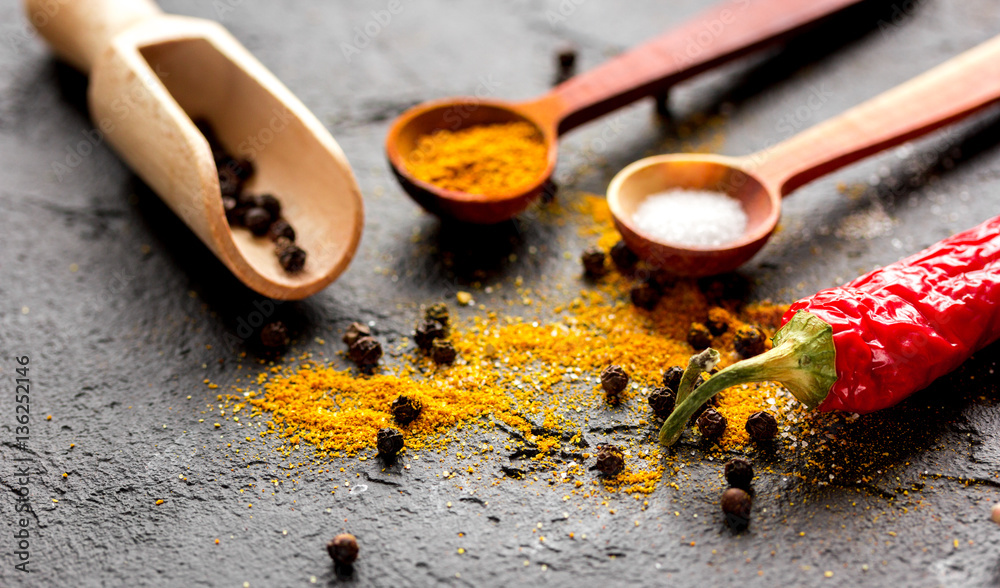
<point>490,160</point>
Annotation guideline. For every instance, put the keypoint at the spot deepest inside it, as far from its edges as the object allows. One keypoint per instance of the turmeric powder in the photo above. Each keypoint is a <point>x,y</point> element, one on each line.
<point>490,160</point>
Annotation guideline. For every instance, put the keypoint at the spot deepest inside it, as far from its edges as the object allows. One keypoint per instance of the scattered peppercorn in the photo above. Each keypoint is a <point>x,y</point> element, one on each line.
<point>662,401</point>
<point>718,321</point>
<point>672,378</point>
<point>614,379</point>
<point>291,257</point>
<point>269,203</point>
<point>594,262</point>
<point>749,341</point>
<point>725,290</point>
<point>443,352</point>
<point>354,332</point>
<point>739,473</point>
<point>438,312</point>
<point>366,351</point>
<point>274,334</point>
<point>343,549</point>
<point>427,332</point>
<point>257,220</point>
<point>699,337</point>
<point>662,280</point>
<point>645,296</point>
<point>762,426</point>
<point>405,409</point>
<point>566,62</point>
<point>281,229</point>
<point>736,504</point>
<point>711,424</point>
<point>623,257</point>
<point>610,460</point>
<point>389,441</point>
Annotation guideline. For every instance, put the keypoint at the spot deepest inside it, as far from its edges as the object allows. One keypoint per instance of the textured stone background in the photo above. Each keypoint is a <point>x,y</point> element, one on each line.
<point>117,346</point>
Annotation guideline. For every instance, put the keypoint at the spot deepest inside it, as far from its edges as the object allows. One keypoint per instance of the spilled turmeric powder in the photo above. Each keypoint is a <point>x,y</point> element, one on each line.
<point>490,159</point>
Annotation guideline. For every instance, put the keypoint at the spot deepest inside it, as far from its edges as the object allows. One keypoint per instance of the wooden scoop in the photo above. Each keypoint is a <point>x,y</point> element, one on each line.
<point>950,92</point>
<point>722,33</point>
<point>151,74</point>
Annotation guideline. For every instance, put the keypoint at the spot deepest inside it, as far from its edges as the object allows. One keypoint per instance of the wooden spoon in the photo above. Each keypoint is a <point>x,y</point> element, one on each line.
<point>950,92</point>
<point>151,74</point>
<point>720,34</point>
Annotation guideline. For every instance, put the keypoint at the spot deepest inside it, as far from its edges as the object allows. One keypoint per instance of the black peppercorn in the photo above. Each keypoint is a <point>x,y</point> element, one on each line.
<point>274,334</point>
<point>427,332</point>
<point>257,220</point>
<point>623,257</point>
<point>711,424</point>
<point>230,207</point>
<point>762,426</point>
<point>736,504</point>
<point>438,312</point>
<point>731,288</point>
<point>366,351</point>
<point>389,441</point>
<point>739,473</point>
<point>749,341</point>
<point>269,203</point>
<point>645,296</point>
<point>354,332</point>
<point>281,229</point>
<point>405,409</point>
<point>594,262</point>
<point>291,257</point>
<point>662,401</point>
<point>610,460</point>
<point>566,62</point>
<point>672,378</point>
<point>699,337</point>
<point>443,352</point>
<point>662,279</point>
<point>343,549</point>
<point>614,380</point>
<point>718,321</point>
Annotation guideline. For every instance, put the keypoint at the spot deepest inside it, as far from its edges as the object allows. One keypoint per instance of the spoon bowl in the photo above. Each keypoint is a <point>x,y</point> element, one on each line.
<point>950,92</point>
<point>635,183</point>
<point>453,115</point>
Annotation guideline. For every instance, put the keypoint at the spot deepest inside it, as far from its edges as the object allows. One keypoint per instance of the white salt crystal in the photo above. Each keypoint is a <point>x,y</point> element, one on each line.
<point>696,218</point>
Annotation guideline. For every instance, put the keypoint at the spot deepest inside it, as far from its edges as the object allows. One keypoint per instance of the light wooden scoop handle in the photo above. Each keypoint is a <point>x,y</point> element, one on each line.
<point>79,30</point>
<point>958,88</point>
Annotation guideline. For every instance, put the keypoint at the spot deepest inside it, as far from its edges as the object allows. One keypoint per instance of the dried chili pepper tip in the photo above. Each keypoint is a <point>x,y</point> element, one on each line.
<point>610,460</point>
<point>389,441</point>
<point>443,352</point>
<point>291,257</point>
<point>595,262</point>
<point>662,401</point>
<point>438,312</point>
<point>257,220</point>
<point>274,335</point>
<point>343,549</point>
<point>427,332</point>
<point>699,337</point>
<point>737,504</point>
<point>711,424</point>
<point>718,321</point>
<point>739,473</point>
<point>749,341</point>
<point>366,351</point>
<point>762,426</point>
<point>645,296</point>
<point>354,332</point>
<point>623,257</point>
<point>281,228</point>
<point>672,378</point>
<point>614,379</point>
<point>405,409</point>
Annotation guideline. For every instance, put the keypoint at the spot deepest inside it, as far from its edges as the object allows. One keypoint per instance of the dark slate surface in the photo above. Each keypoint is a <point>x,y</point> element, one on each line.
<point>117,346</point>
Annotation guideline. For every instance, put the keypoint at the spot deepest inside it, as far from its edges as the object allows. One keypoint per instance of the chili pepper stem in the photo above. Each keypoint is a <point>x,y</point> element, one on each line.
<point>802,360</point>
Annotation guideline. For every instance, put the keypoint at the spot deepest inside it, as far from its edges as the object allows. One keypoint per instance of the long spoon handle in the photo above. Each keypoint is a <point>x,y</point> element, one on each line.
<point>723,32</point>
<point>951,91</point>
<point>79,30</point>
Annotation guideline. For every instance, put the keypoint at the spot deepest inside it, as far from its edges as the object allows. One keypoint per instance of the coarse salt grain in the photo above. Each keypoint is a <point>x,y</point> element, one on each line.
<point>698,218</point>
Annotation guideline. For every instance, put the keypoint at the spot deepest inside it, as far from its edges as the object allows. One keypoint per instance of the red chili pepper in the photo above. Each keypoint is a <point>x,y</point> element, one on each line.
<point>873,342</point>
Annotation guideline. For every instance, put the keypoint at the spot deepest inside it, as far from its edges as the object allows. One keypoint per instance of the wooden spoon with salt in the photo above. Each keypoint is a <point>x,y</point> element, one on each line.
<point>151,74</point>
